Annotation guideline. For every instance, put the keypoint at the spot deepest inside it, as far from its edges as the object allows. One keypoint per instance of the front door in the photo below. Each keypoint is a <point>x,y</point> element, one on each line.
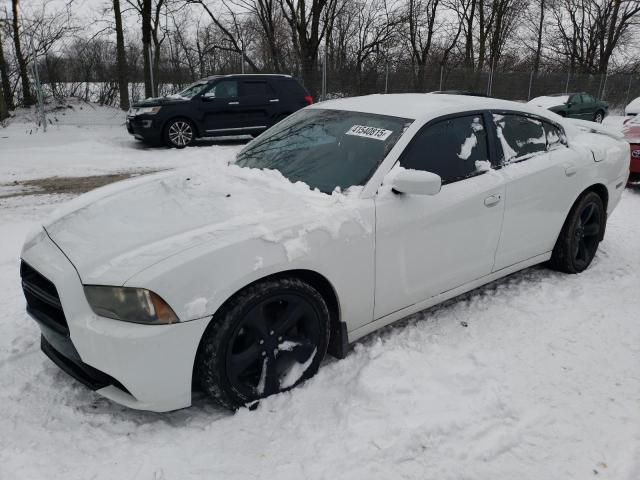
<point>427,245</point>
<point>220,106</point>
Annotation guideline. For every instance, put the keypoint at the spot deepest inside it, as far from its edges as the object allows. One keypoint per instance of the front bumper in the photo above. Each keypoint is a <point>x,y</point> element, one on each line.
<point>147,367</point>
<point>145,127</point>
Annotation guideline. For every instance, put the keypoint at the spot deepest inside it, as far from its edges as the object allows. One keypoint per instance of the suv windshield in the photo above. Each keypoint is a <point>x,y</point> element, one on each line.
<point>192,90</point>
<point>326,149</point>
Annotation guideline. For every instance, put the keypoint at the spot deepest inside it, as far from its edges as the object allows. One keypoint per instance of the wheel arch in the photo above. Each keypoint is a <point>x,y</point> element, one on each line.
<point>338,337</point>
<point>601,190</point>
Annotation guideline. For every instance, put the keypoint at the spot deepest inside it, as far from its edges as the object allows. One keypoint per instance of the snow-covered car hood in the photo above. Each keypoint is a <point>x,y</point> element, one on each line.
<point>549,102</point>
<point>114,232</point>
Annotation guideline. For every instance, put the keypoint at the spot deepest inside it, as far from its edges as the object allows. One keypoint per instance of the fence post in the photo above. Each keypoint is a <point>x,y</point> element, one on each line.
<point>323,95</point>
<point>386,76</point>
<point>566,86</point>
<point>441,72</point>
<point>530,83</point>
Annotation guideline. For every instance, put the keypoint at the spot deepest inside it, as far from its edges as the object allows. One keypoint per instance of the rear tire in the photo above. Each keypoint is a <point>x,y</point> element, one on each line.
<point>580,235</point>
<point>599,116</point>
<point>267,339</point>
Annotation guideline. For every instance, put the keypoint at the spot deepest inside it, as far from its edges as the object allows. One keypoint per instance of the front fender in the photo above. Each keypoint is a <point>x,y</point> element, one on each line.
<point>196,282</point>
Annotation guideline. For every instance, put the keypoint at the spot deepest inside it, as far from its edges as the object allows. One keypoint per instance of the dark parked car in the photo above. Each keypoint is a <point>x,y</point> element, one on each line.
<point>217,106</point>
<point>574,105</point>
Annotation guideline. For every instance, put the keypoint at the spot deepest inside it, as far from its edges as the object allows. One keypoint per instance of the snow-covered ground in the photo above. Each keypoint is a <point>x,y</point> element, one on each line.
<point>536,376</point>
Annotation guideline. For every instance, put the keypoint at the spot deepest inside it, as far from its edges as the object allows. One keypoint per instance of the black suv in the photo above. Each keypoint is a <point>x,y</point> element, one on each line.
<point>217,106</point>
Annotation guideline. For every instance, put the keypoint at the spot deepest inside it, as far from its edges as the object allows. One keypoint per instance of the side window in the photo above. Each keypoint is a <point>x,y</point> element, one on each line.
<point>223,89</point>
<point>556,137</point>
<point>519,136</point>
<point>576,99</point>
<point>586,98</point>
<point>455,149</point>
<point>257,88</point>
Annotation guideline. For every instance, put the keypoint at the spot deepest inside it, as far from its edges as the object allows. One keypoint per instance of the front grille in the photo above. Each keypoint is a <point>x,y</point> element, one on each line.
<point>43,301</point>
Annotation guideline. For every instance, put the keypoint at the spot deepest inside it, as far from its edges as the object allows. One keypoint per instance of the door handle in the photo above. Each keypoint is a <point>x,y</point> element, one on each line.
<point>492,200</point>
<point>274,100</point>
<point>234,103</point>
<point>570,171</point>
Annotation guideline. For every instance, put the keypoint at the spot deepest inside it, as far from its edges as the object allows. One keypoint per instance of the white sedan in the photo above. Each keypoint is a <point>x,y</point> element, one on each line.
<point>348,215</point>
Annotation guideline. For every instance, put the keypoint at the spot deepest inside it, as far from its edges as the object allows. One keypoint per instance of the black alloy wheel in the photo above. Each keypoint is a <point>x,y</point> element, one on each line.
<point>267,339</point>
<point>581,234</point>
<point>586,235</point>
<point>179,133</point>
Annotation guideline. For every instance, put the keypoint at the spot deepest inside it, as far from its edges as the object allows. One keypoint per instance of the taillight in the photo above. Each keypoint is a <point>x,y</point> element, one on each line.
<point>308,99</point>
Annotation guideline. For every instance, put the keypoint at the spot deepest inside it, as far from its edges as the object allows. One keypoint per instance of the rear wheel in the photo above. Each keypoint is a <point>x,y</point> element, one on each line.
<point>580,236</point>
<point>598,117</point>
<point>267,339</point>
<point>179,133</point>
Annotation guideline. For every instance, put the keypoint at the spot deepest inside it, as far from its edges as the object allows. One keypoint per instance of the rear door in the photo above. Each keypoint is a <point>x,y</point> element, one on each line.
<point>259,102</point>
<point>427,245</point>
<point>540,174</point>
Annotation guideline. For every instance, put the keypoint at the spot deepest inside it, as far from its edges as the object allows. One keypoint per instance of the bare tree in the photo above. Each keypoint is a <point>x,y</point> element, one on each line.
<point>309,24</point>
<point>5,84</point>
<point>121,58</point>
<point>27,97</point>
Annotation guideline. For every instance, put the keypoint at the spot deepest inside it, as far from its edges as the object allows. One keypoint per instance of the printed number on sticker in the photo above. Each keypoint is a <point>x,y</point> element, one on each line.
<point>369,132</point>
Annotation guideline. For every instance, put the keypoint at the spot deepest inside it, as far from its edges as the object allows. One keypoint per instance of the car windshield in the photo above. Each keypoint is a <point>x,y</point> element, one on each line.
<point>326,149</point>
<point>192,90</point>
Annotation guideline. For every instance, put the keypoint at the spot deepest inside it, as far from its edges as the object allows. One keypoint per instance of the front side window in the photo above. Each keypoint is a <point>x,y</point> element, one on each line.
<point>576,99</point>
<point>454,149</point>
<point>326,149</point>
<point>586,98</point>
<point>223,89</point>
<point>519,136</point>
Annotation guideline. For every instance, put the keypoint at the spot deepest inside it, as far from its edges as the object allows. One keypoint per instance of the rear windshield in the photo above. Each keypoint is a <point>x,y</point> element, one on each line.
<point>326,149</point>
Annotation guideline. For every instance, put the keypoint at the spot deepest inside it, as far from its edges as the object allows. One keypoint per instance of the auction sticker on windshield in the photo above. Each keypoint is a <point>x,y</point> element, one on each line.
<point>369,132</point>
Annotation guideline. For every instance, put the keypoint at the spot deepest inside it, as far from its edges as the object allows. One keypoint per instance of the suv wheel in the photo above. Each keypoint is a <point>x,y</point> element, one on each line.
<point>179,133</point>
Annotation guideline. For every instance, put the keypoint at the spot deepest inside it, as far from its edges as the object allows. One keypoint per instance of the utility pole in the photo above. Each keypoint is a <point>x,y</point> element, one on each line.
<point>153,83</point>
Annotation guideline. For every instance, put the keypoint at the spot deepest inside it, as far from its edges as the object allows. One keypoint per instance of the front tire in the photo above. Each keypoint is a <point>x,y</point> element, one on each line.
<point>179,133</point>
<point>265,340</point>
<point>580,235</point>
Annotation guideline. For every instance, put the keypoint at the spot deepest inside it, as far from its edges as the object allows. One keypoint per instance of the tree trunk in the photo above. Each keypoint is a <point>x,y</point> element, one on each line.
<point>123,84</point>
<point>22,64</point>
<point>5,84</point>
<point>536,60</point>
<point>146,47</point>
<point>4,113</point>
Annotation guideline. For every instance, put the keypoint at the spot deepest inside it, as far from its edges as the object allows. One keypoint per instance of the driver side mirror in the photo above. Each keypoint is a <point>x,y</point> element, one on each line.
<point>417,182</point>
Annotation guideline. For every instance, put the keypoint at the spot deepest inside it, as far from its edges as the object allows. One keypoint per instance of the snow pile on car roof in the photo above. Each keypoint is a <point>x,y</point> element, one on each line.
<point>549,101</point>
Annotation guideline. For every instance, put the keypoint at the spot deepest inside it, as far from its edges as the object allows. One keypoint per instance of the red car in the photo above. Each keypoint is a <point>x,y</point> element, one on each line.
<point>631,132</point>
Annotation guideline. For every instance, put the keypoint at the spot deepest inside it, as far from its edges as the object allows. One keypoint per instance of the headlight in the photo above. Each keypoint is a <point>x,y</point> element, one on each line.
<point>128,304</point>
<point>148,110</point>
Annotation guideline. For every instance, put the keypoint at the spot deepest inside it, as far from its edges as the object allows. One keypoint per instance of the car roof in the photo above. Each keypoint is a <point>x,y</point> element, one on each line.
<point>248,75</point>
<point>420,105</point>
